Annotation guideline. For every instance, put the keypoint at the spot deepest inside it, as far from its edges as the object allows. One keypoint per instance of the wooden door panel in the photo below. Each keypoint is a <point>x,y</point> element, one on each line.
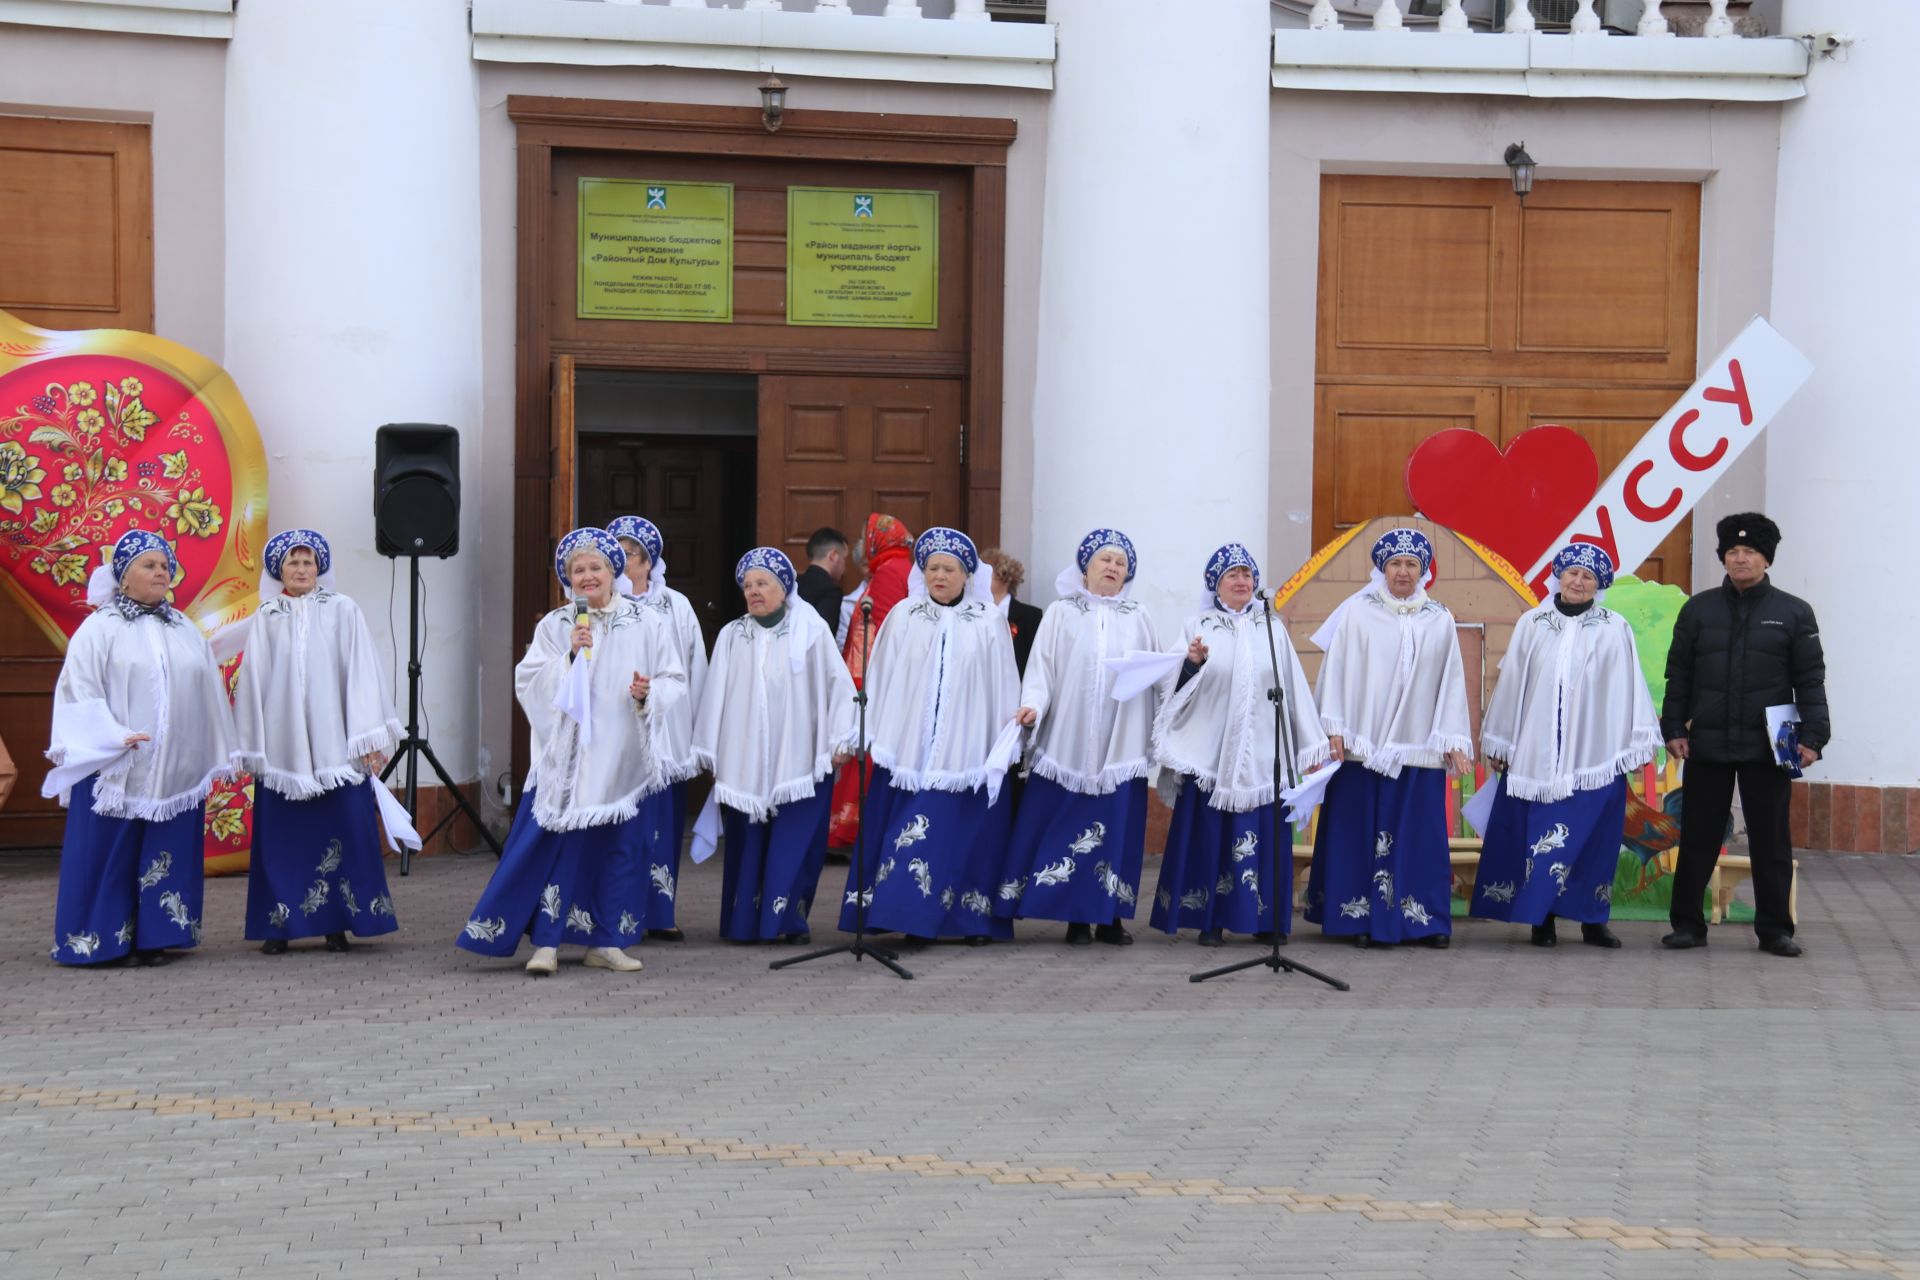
<point>1569,258</point>
<point>1612,421</point>
<point>1363,436</point>
<point>76,223</point>
<point>1416,275</point>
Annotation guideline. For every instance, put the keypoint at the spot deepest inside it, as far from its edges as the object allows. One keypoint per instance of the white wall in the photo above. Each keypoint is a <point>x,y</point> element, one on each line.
<point>1841,479</point>
<point>353,292</point>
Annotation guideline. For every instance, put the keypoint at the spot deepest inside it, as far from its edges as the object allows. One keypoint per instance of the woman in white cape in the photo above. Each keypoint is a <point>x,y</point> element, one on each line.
<point>775,720</point>
<point>574,866</point>
<point>1213,739</point>
<point>670,610</point>
<point>141,729</point>
<point>1393,699</point>
<point>314,723</point>
<point>943,686</point>
<point>1080,835</point>
<point>1568,719</point>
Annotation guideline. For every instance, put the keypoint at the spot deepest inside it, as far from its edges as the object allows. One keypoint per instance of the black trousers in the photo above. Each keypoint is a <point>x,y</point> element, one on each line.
<point>1766,793</point>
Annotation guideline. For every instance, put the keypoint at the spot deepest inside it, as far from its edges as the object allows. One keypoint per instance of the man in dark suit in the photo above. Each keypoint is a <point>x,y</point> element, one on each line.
<point>1738,649</point>
<point>1022,619</point>
<point>819,586</point>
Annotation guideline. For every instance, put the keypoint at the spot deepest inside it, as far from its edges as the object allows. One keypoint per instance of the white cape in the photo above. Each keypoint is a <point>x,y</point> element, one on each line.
<point>144,676</point>
<point>1393,686</point>
<point>941,685</point>
<point>311,699</point>
<point>769,732</point>
<point>673,730</point>
<point>1571,711</point>
<point>1084,739</point>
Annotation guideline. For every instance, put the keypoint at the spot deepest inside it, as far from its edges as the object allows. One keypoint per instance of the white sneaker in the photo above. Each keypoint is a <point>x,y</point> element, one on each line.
<point>545,962</point>
<point>611,958</point>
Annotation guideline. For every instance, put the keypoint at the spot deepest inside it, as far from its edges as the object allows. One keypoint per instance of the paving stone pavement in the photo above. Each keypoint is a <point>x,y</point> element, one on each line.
<point>1022,1110</point>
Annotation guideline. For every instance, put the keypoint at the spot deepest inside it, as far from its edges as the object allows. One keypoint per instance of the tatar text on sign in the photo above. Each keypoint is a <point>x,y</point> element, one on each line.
<point>863,257</point>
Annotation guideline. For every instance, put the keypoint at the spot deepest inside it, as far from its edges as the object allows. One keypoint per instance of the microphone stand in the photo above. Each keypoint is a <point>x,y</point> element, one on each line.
<point>862,893</point>
<point>1283,769</point>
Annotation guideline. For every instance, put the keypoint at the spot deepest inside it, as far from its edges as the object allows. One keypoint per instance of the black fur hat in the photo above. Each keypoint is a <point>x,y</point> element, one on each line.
<point>1748,529</point>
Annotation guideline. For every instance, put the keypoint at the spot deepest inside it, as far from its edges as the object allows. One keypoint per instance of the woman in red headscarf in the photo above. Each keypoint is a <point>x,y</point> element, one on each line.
<point>886,549</point>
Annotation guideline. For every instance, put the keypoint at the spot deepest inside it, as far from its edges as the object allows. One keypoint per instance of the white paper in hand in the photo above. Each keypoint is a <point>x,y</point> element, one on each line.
<point>706,829</point>
<point>574,697</point>
<point>1139,671</point>
<point>394,817</point>
<point>1479,810</point>
<point>1298,803</point>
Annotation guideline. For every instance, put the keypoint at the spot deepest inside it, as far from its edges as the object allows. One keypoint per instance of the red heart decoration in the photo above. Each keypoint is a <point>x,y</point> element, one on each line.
<point>1515,502</point>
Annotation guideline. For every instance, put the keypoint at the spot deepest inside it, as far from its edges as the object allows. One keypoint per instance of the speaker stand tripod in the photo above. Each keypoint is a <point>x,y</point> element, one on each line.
<point>415,744</point>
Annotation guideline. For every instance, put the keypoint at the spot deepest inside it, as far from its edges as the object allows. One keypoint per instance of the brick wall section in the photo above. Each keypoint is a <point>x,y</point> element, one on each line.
<point>1856,819</point>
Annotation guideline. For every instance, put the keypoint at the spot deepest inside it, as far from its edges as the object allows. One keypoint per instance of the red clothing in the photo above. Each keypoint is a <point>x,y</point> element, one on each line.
<point>889,549</point>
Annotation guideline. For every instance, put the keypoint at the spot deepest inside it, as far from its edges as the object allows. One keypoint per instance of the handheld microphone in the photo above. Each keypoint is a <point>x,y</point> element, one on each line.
<point>581,619</point>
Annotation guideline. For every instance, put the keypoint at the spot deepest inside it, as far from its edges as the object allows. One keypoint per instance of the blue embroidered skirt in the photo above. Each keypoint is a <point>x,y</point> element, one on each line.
<point>932,861</point>
<point>772,868</point>
<point>1554,857</point>
<point>587,887</point>
<point>125,883</point>
<point>1380,861</point>
<point>316,866</point>
<point>1074,857</point>
<point>1219,868</point>
<point>665,816</point>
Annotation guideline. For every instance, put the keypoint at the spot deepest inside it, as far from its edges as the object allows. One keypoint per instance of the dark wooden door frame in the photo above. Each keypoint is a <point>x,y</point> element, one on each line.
<point>975,146</point>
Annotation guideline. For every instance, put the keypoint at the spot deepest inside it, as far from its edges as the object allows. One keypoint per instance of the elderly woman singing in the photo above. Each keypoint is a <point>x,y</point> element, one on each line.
<point>141,729</point>
<point>574,866</point>
<point>1079,837</point>
<point>1214,740</point>
<point>314,723</point>
<point>776,718</point>
<point>1393,699</point>
<point>943,686</point>
<point>646,584</point>
<point>1570,716</point>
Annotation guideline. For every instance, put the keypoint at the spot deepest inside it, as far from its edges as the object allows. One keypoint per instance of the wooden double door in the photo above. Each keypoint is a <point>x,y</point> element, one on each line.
<point>1447,303</point>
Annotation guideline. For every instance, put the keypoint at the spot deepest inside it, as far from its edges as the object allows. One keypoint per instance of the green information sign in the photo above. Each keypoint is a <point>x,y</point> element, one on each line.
<point>863,257</point>
<point>654,250</point>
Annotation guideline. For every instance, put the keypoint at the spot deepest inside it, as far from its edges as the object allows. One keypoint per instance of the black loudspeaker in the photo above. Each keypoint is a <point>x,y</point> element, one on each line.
<point>416,490</point>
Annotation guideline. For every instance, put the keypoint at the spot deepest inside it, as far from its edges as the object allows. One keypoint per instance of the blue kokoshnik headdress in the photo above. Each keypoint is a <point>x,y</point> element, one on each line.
<point>1099,538</point>
<point>772,559</point>
<point>1588,557</point>
<point>281,545</point>
<point>941,540</point>
<point>135,543</point>
<point>640,530</point>
<point>1231,556</point>
<point>588,538</point>
<point>1403,542</point>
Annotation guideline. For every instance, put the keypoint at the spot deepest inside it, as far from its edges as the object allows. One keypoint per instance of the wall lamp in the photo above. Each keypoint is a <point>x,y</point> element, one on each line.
<point>1519,165</point>
<point>773,103</point>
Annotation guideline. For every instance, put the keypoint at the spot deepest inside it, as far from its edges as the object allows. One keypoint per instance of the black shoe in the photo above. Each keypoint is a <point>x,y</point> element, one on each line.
<point>274,947</point>
<point>1363,940</point>
<point>152,959</point>
<point>840,857</point>
<point>797,939</point>
<point>666,935</point>
<point>1544,935</point>
<point>1114,935</point>
<point>979,940</point>
<point>338,942</point>
<point>1780,946</point>
<point>1211,938</point>
<point>1683,940</point>
<point>1267,938</point>
<point>1598,935</point>
<point>914,942</point>
<point>1079,935</point>
<point>1436,941</point>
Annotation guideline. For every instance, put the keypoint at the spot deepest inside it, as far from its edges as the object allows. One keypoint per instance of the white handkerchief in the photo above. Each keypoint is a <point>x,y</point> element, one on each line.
<point>706,829</point>
<point>1006,751</point>
<point>91,739</point>
<point>1479,810</point>
<point>1298,803</point>
<point>393,816</point>
<point>1139,671</point>
<point>574,698</point>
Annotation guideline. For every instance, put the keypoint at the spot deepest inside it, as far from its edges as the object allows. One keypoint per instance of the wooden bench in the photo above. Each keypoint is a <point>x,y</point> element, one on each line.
<point>1729,872</point>
<point>1463,852</point>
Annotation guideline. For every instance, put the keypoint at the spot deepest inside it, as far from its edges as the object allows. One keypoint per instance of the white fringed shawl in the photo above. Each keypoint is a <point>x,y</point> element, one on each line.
<point>1393,686</point>
<point>1084,740</point>
<point>941,684</point>
<point>1571,711</point>
<point>148,677</point>
<point>311,699</point>
<point>769,732</point>
<point>1218,727</point>
<point>604,781</point>
<point>673,613</point>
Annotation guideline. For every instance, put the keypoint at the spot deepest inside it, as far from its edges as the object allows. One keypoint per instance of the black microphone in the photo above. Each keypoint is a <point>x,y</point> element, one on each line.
<point>866,605</point>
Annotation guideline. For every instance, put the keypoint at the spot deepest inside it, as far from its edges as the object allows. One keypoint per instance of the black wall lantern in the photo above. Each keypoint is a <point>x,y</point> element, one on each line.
<point>773,103</point>
<point>1520,166</point>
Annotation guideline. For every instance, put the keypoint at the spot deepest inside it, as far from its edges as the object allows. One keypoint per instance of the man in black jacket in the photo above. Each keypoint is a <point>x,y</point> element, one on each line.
<point>819,586</point>
<point>1738,649</point>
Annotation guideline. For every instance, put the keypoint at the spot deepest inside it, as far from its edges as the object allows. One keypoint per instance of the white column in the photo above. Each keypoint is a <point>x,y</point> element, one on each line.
<point>1839,479</point>
<point>1151,397</point>
<point>353,291</point>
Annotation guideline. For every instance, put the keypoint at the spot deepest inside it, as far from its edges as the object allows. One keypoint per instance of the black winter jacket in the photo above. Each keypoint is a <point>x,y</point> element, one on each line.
<point>1736,653</point>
